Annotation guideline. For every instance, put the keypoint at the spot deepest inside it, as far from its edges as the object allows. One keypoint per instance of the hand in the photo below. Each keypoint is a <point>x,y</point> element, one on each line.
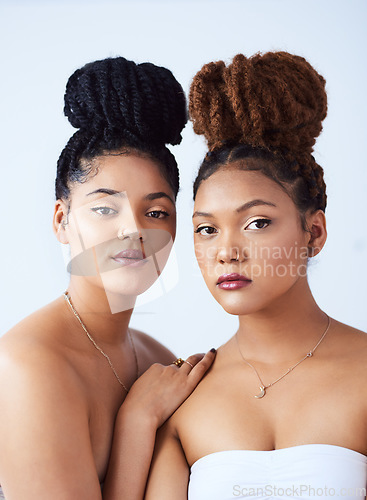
<point>162,389</point>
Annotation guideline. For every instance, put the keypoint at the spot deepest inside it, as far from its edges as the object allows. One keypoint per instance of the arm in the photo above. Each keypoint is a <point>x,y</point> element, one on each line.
<point>44,428</point>
<point>169,474</point>
<point>152,399</point>
<point>44,432</point>
<point>131,455</point>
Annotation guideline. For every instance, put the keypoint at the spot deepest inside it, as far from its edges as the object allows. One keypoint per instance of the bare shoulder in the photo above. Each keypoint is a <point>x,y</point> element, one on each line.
<point>150,351</point>
<point>36,364</point>
<point>349,346</point>
<point>41,324</point>
<point>31,352</point>
<point>350,335</point>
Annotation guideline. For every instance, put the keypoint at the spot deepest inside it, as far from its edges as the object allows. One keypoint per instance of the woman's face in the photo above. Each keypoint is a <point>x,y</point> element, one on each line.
<point>249,241</point>
<point>121,224</point>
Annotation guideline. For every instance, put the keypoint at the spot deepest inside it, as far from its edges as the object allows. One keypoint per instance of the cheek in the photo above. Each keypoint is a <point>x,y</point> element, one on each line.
<point>89,231</point>
<point>171,227</point>
<point>286,260</point>
<point>75,241</point>
<point>205,256</point>
<point>157,244</point>
<point>199,253</point>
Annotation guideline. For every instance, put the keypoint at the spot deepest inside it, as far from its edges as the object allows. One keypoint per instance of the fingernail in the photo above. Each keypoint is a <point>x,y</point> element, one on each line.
<point>213,350</point>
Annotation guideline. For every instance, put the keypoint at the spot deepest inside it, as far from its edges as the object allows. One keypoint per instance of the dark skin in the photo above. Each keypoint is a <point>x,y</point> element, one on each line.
<point>69,425</point>
<point>321,401</point>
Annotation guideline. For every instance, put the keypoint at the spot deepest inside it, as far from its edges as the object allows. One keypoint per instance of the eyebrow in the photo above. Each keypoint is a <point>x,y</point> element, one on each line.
<point>106,191</point>
<point>242,208</point>
<point>148,197</point>
<point>156,196</point>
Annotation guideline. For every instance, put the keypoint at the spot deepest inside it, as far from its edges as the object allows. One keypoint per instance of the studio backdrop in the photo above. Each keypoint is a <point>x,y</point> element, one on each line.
<point>43,42</point>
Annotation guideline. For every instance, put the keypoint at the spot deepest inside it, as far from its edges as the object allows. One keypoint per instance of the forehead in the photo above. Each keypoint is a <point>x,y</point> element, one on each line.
<point>231,187</point>
<point>128,173</point>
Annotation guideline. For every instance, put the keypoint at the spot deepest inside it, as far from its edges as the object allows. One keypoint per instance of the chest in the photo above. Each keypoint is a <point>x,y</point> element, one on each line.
<point>308,406</point>
<point>104,396</point>
<point>102,414</point>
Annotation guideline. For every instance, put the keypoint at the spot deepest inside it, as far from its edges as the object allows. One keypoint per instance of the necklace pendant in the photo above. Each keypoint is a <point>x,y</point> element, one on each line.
<point>263,387</point>
<point>262,393</point>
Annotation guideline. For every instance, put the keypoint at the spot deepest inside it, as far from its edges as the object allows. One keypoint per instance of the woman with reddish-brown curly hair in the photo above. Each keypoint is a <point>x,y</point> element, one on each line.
<point>282,411</point>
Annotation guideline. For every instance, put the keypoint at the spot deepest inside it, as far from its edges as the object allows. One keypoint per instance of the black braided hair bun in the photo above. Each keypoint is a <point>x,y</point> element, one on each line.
<point>118,105</point>
<point>276,100</point>
<point>140,102</point>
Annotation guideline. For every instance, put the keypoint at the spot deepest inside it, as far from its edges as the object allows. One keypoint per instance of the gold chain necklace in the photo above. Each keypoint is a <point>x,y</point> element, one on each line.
<point>263,387</point>
<point>67,298</point>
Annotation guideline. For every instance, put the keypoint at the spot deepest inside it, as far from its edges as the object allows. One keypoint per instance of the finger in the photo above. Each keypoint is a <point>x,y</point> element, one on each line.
<point>177,363</point>
<point>191,362</point>
<point>199,370</point>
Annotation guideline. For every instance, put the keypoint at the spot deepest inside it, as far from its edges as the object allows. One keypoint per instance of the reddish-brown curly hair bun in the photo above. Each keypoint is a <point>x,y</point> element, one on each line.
<point>274,100</point>
<point>269,106</point>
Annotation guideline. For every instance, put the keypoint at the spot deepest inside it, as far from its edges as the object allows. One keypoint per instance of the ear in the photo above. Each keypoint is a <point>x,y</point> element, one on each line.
<point>316,224</point>
<point>60,221</point>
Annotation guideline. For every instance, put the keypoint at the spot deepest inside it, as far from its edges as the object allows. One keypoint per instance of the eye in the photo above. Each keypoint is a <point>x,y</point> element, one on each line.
<point>104,210</point>
<point>157,214</point>
<point>258,224</point>
<point>205,230</point>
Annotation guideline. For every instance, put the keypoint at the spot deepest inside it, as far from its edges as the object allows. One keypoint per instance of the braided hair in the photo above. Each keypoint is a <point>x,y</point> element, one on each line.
<point>269,108</point>
<point>120,107</point>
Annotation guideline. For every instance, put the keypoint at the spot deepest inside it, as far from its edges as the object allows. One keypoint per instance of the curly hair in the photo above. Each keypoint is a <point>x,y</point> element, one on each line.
<point>268,107</point>
<point>121,107</point>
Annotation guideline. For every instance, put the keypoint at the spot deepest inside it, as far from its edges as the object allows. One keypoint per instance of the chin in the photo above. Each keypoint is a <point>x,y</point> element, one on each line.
<point>123,297</point>
<point>128,289</point>
<point>129,282</point>
<point>233,310</point>
<point>236,306</point>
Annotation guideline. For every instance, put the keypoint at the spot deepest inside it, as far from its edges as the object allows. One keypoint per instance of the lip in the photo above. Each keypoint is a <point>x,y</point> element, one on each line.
<point>233,281</point>
<point>130,257</point>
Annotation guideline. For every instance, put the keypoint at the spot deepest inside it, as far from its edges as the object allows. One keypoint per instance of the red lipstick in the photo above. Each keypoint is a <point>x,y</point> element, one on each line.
<point>233,281</point>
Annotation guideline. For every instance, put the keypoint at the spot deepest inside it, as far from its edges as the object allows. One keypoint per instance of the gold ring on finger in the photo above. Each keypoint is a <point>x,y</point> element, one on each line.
<point>178,362</point>
<point>188,362</point>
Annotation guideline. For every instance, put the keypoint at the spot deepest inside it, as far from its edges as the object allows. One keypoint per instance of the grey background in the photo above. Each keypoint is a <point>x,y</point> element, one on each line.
<point>42,43</point>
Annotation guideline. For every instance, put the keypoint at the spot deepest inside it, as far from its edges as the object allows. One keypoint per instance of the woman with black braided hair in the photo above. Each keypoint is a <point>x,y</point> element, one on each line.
<point>282,411</point>
<point>67,370</point>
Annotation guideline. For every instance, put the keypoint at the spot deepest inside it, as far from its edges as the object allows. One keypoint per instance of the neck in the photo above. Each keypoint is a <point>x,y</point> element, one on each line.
<point>94,308</point>
<point>290,327</point>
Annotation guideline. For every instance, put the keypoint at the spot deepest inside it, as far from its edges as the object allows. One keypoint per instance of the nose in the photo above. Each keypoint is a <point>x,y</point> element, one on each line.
<point>128,227</point>
<point>230,251</point>
<point>127,233</point>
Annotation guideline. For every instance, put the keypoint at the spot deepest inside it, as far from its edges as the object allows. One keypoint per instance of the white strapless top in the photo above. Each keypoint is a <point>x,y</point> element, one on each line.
<point>316,471</point>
